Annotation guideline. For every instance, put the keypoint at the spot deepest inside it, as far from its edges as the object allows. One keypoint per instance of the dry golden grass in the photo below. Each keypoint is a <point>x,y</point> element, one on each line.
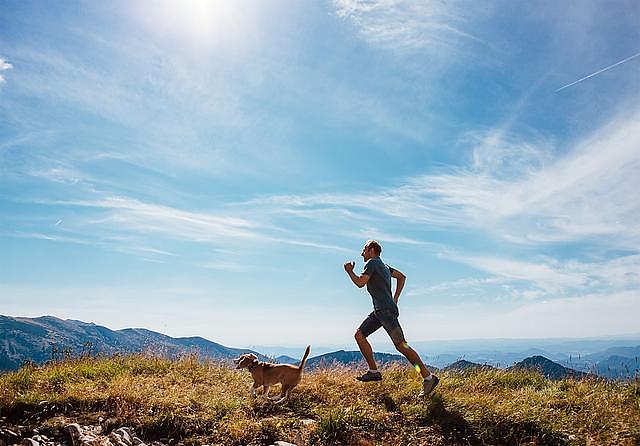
<point>210,403</point>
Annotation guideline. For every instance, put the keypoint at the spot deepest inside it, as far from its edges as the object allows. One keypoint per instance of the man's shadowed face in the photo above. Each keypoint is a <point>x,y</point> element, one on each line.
<point>367,252</point>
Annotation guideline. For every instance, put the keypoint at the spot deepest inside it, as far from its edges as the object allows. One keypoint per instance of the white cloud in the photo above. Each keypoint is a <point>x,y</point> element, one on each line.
<point>376,234</point>
<point>540,278</point>
<point>595,314</point>
<point>129,225</point>
<point>187,98</point>
<point>515,190</point>
<point>134,215</point>
<point>589,192</point>
<point>407,25</point>
<point>548,277</point>
<point>4,65</point>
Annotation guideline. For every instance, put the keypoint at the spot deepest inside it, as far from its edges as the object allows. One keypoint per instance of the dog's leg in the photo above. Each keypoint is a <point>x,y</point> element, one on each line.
<point>284,395</point>
<point>254,387</point>
<point>266,391</point>
<point>277,398</point>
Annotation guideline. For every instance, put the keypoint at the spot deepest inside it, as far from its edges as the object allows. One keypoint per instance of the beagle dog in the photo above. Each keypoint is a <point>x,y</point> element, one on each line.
<point>266,374</point>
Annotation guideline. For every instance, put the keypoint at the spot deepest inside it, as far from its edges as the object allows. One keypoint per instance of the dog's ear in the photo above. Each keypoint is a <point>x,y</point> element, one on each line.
<point>252,357</point>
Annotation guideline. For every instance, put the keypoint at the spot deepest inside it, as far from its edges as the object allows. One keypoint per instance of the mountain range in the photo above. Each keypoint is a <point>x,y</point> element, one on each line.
<point>44,338</point>
<point>549,369</point>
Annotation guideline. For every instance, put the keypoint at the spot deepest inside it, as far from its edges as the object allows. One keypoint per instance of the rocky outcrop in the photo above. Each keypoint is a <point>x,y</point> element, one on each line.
<point>73,434</point>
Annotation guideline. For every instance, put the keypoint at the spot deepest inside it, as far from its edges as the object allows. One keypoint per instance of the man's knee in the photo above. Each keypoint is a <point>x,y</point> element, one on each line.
<point>359,335</point>
<point>401,345</point>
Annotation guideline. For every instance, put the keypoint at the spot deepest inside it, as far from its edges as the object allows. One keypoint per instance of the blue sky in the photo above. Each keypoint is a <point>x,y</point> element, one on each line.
<point>205,168</point>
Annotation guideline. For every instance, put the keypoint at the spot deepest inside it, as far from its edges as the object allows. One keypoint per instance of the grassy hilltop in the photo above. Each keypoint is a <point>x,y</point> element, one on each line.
<point>194,403</point>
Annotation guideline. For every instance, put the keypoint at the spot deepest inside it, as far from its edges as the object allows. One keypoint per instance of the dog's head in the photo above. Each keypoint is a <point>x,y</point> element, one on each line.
<point>245,361</point>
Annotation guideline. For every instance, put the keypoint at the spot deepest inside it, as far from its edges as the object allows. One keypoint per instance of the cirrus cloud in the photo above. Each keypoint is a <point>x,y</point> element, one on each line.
<point>4,65</point>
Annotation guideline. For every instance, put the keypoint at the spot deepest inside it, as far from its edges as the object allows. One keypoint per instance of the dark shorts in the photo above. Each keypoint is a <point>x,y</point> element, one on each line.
<point>383,318</point>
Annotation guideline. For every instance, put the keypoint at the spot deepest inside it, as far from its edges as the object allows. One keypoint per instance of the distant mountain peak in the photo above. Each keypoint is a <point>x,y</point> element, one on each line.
<point>463,364</point>
<point>548,368</point>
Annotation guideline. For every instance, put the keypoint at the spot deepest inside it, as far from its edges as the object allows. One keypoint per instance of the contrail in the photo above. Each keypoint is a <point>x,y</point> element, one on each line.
<point>598,72</point>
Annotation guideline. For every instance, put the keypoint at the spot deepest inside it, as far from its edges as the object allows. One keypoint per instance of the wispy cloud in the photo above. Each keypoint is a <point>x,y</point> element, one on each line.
<point>222,265</point>
<point>187,98</point>
<point>542,277</point>
<point>126,224</point>
<point>4,65</point>
<point>128,245</point>
<point>591,314</point>
<point>550,278</point>
<point>467,287</point>
<point>406,25</point>
<point>598,72</point>
<point>518,190</point>
<point>376,234</point>
<point>135,215</point>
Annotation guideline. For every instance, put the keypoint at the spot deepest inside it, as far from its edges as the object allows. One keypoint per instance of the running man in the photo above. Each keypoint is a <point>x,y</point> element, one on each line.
<point>377,277</point>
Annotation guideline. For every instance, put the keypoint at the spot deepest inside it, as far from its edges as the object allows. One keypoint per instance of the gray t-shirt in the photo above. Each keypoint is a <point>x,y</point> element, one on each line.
<point>379,284</point>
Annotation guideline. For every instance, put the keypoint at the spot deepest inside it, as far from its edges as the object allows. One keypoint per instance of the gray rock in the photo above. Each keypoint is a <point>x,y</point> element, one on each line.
<point>308,422</point>
<point>73,431</point>
<point>29,442</point>
<point>283,443</point>
<point>136,441</point>
<point>87,439</point>
<point>9,433</point>
<point>125,435</point>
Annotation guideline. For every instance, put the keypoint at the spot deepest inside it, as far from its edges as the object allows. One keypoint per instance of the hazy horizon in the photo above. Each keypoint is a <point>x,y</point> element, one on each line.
<point>206,168</point>
<point>381,343</point>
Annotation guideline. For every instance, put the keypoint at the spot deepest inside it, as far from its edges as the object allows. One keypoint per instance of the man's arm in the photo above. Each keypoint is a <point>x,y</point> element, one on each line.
<point>358,281</point>
<point>400,278</point>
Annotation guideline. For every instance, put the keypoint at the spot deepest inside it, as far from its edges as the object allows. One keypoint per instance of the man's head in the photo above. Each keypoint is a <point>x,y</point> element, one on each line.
<point>370,250</point>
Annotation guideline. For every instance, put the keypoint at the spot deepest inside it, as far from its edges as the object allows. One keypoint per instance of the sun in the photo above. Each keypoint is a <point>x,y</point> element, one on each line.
<point>201,23</point>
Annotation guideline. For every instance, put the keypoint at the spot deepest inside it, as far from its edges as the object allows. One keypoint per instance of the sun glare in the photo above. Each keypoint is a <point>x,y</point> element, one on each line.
<point>200,23</point>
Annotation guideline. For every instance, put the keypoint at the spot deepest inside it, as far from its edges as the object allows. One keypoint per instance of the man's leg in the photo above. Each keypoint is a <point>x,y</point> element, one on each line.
<point>429,380</point>
<point>413,358</point>
<point>368,326</point>
<point>366,350</point>
<point>393,328</point>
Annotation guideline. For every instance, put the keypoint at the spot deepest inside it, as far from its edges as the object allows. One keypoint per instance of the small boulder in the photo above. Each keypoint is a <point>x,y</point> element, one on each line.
<point>125,435</point>
<point>73,431</point>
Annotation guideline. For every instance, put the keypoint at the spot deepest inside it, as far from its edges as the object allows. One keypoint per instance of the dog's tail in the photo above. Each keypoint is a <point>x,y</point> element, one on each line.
<point>304,358</point>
